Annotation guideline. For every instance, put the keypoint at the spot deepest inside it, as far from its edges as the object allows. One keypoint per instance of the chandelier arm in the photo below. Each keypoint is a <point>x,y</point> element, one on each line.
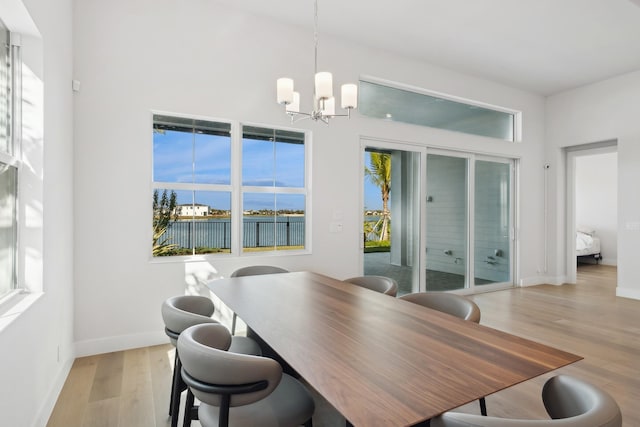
<point>339,115</point>
<point>304,117</point>
<point>297,116</point>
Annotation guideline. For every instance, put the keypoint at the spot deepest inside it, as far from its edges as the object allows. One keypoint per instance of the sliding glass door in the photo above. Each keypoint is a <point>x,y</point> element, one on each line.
<point>437,220</point>
<point>391,227</point>
<point>493,222</point>
<point>447,222</point>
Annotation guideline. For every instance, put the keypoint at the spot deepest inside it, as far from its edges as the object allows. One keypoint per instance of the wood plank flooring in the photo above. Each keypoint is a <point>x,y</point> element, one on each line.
<point>131,388</point>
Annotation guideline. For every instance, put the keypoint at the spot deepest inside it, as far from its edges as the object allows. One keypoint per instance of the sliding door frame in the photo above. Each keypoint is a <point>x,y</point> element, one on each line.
<point>513,217</point>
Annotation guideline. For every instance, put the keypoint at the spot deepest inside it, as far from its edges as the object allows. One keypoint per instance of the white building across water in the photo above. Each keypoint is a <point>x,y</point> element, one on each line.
<point>192,210</point>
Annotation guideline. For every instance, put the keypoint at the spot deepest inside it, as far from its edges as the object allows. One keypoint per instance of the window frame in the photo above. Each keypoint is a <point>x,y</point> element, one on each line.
<point>236,190</point>
<point>12,157</point>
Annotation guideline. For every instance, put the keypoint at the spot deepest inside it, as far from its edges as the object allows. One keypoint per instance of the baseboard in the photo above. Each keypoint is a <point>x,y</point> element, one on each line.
<point>542,280</point>
<point>628,293</point>
<point>609,261</point>
<point>119,343</point>
<point>44,412</point>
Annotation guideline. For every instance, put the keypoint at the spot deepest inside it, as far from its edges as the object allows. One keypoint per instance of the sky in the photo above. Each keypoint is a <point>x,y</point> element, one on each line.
<point>372,195</point>
<point>183,157</point>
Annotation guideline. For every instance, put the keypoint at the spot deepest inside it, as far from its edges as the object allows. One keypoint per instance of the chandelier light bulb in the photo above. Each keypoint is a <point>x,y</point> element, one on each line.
<point>294,107</point>
<point>329,107</point>
<point>324,85</point>
<point>349,96</point>
<point>285,90</point>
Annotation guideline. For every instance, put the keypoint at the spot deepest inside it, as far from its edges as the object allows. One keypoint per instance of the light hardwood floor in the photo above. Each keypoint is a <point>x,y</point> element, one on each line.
<point>131,388</point>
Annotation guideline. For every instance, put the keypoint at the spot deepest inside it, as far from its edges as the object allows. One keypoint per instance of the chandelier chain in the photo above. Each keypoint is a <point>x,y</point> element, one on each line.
<point>315,35</point>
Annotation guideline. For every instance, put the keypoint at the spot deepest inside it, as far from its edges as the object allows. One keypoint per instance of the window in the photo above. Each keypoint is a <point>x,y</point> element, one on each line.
<point>8,228</point>
<point>9,163</point>
<point>195,163</point>
<point>415,106</point>
<point>273,189</point>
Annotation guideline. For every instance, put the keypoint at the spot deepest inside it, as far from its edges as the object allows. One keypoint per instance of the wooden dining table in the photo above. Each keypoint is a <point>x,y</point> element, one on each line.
<point>378,360</point>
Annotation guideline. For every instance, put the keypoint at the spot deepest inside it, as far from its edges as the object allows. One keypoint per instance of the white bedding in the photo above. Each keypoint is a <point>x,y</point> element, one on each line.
<point>587,244</point>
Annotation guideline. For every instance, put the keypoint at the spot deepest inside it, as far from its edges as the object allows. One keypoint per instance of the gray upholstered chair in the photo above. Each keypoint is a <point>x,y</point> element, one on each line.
<point>253,270</point>
<point>179,313</point>
<point>237,389</point>
<point>453,304</point>
<point>570,402</point>
<point>382,284</point>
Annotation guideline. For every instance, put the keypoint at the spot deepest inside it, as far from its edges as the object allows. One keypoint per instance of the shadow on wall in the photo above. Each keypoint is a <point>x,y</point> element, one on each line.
<point>196,276</point>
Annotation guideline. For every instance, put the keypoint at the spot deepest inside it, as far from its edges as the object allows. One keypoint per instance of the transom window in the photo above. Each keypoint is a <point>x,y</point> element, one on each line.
<point>400,103</point>
<point>224,188</point>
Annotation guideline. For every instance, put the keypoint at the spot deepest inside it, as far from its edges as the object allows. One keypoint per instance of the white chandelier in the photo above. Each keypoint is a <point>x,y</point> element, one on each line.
<point>324,103</point>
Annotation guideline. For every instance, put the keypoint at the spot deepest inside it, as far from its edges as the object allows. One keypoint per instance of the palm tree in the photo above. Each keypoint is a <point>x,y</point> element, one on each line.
<point>379,173</point>
<point>164,211</point>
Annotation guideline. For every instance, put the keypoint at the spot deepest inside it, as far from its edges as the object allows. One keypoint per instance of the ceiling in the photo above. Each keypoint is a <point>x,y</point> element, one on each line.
<point>543,46</point>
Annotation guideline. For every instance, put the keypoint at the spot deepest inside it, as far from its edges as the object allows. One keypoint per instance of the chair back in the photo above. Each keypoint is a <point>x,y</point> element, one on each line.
<point>569,401</point>
<point>183,311</point>
<point>256,270</point>
<point>453,304</point>
<point>205,359</point>
<point>568,397</point>
<point>382,284</point>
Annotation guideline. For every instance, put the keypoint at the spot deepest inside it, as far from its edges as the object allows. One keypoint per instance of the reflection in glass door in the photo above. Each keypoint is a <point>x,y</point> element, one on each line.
<point>468,222</point>
<point>447,219</point>
<point>492,219</point>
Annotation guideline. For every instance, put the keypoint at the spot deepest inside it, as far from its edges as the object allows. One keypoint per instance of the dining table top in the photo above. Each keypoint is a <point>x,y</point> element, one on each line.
<point>377,359</point>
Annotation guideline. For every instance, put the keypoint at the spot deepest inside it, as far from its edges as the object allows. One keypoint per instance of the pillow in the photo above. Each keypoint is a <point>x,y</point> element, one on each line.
<point>585,230</point>
<point>583,241</point>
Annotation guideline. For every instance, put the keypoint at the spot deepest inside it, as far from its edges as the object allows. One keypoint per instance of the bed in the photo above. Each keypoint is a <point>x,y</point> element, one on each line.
<point>587,245</point>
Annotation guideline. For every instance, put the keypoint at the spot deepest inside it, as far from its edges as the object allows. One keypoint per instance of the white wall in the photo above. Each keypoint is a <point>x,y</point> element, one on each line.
<point>603,111</point>
<point>201,58</point>
<point>36,336</point>
<point>596,191</point>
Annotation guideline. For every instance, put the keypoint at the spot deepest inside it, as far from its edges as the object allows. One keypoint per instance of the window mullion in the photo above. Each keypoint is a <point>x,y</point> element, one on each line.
<point>236,192</point>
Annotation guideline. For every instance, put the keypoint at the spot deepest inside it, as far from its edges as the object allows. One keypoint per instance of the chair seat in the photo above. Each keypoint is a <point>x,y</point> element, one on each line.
<point>244,345</point>
<point>289,405</point>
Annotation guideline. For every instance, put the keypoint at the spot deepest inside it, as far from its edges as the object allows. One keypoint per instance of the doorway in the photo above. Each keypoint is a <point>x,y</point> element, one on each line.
<point>592,206</point>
